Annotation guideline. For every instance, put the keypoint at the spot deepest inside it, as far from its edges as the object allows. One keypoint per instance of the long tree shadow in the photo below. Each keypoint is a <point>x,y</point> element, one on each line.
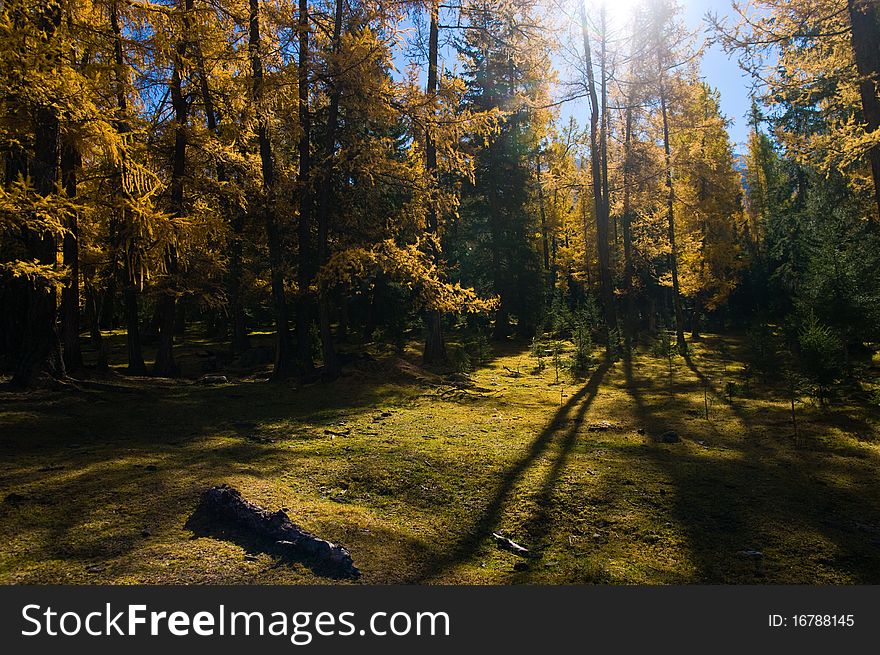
<point>707,384</point>
<point>739,499</point>
<point>470,543</point>
<point>844,420</point>
<point>538,525</point>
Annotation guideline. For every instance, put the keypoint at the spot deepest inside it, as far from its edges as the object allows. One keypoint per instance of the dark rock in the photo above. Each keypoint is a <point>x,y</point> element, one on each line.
<point>14,499</point>
<point>670,436</point>
<point>521,566</point>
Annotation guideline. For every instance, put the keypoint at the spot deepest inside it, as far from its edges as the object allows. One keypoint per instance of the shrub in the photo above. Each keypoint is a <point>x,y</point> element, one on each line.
<point>821,355</point>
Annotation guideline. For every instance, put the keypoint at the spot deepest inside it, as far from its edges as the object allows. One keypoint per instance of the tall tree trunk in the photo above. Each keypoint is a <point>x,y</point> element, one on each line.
<point>628,290</point>
<point>865,19</point>
<point>41,347</point>
<point>500,274</point>
<point>670,216</point>
<point>545,240</point>
<point>167,308</point>
<point>435,345</point>
<point>305,270</point>
<point>600,204</point>
<point>239,341</point>
<point>93,317</point>
<point>70,162</point>
<point>331,362</point>
<point>131,313</point>
<point>283,366</point>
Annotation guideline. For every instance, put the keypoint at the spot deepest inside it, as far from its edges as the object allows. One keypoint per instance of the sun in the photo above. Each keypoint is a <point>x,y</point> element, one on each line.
<point>618,12</point>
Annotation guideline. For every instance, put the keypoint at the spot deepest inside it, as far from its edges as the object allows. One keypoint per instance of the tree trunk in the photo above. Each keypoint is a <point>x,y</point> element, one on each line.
<point>305,270</point>
<point>165,365</point>
<point>131,313</point>
<point>545,240</point>
<point>239,341</point>
<point>41,348</point>
<point>600,202</point>
<point>670,215</point>
<point>93,316</point>
<point>331,362</point>
<point>629,322</point>
<point>435,345</point>
<point>70,162</point>
<point>136,364</point>
<point>13,291</point>
<point>865,20</point>
<point>283,366</point>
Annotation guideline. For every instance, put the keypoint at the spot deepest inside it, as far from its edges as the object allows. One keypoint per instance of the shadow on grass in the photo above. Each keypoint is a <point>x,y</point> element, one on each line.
<point>572,411</point>
<point>94,481</point>
<point>802,509</point>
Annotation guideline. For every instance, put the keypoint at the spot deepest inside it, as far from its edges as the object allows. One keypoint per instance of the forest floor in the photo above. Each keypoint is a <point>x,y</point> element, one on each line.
<point>412,474</point>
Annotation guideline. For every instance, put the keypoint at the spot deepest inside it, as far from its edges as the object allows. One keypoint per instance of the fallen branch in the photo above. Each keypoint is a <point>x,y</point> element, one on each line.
<point>225,504</point>
<point>508,544</point>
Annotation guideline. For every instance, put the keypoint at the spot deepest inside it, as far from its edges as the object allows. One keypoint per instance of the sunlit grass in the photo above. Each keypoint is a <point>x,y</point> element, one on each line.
<point>412,479</point>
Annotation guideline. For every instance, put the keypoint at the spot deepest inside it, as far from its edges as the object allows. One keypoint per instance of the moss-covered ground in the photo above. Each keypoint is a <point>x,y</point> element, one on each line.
<point>412,474</point>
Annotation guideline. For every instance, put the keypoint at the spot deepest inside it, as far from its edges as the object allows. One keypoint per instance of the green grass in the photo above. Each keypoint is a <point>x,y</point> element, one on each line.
<point>97,485</point>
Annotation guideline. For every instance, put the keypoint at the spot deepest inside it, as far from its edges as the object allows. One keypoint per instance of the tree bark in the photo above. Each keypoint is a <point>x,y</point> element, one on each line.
<point>305,270</point>
<point>680,342</point>
<point>283,365</point>
<point>435,344</point>
<point>330,369</point>
<point>93,316</point>
<point>131,313</point>
<point>239,341</point>
<point>865,20</point>
<point>545,240</point>
<point>165,365</point>
<point>41,347</point>
<point>600,202</point>
<point>70,315</point>
<point>628,269</point>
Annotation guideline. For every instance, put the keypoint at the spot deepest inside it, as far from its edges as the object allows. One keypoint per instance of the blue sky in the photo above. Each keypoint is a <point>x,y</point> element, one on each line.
<point>721,72</point>
<point>717,69</point>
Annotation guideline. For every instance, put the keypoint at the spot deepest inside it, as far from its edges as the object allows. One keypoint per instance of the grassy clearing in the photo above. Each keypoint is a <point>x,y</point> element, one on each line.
<point>413,476</point>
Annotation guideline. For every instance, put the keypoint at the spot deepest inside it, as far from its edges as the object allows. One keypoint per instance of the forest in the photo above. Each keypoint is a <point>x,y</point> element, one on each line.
<point>484,290</point>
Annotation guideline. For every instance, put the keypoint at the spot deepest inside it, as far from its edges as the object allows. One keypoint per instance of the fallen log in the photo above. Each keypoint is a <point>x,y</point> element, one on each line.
<point>226,504</point>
